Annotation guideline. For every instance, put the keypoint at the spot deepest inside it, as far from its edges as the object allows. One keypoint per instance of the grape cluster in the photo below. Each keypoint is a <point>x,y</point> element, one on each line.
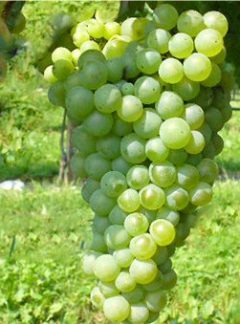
<point>147,99</point>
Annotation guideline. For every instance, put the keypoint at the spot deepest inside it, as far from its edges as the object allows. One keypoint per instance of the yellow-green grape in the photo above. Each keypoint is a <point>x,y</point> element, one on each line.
<point>48,74</point>
<point>138,177</point>
<point>152,197</point>
<point>216,20</point>
<point>113,183</point>
<point>193,115</point>
<point>89,45</point>
<point>106,268</point>
<point>171,70</point>
<point>76,53</point>
<point>209,42</point>
<point>80,35</point>
<point>136,224</point>
<point>143,246</point>
<point>148,61</point>
<point>115,47</point>
<point>169,105</point>
<point>124,282</point>
<point>116,308</point>
<point>147,126</point>
<point>62,69</point>
<point>147,89</point>
<point>162,174</point>
<point>175,133</point>
<point>159,39</point>
<point>116,237</point>
<point>134,28</point>
<point>197,67</point>
<point>108,289</point>
<point>123,257</point>
<point>177,198</point>
<point>61,53</point>
<point>201,194</point>
<point>155,150</point>
<point>97,297</point>
<point>162,231</point>
<point>168,214</point>
<point>111,28</point>
<point>196,143</point>
<point>190,22</point>
<point>89,260</point>
<point>133,149</point>
<point>94,28</point>
<point>143,271</point>
<point>131,109</point>
<point>181,45</point>
<point>129,200</point>
<point>107,98</point>
<point>139,313</point>
<point>156,300</point>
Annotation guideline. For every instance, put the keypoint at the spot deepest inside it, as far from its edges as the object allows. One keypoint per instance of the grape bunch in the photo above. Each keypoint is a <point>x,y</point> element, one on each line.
<point>147,99</point>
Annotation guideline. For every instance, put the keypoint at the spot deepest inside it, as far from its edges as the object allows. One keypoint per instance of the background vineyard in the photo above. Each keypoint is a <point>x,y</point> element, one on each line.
<point>42,228</point>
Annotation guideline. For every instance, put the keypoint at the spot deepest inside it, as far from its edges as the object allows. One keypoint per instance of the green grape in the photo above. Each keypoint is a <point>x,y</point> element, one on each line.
<point>117,216</point>
<point>143,271</point>
<point>115,69</point>
<point>162,174</point>
<point>194,159</point>
<point>77,165</point>
<point>120,127</point>
<point>93,74</point>
<point>134,28</point>
<point>171,70</point>
<point>209,151</point>
<point>181,45</point>
<point>197,67</point>
<point>226,113</point>
<point>100,224</point>
<point>72,81</point>
<point>158,39</point>
<point>124,282</point>
<point>100,203</point>
<point>147,126</point>
<point>131,109</point>
<point>139,313</point>
<point>165,16</point>
<point>116,237</point>
<point>196,143</point>
<point>62,69</point>
<point>95,28</point>
<point>89,187</point>
<point>134,296</point>
<point>116,308</point>
<point>161,255</point>
<point>127,89</point>
<point>89,45</point>
<point>156,284</point>
<point>88,262</point>
<point>214,78</point>
<point>177,157</point>
<point>156,300</point>
<point>209,42</point>
<point>133,148</point>
<point>123,257</point>
<point>190,22</point>
<point>104,123</point>
<point>121,165</point>
<point>148,60</point>
<point>143,246</point>
<point>106,268</point>
<point>220,57</point>
<point>175,133</point>
<point>56,94</point>
<point>168,214</point>
<point>137,177</point>
<point>169,280</point>
<point>97,297</point>
<point>177,198</point>
<point>218,143</point>
<point>206,131</point>
<point>79,104</point>
<point>131,70</point>
<point>107,99</point>
<point>214,119</point>
<point>193,115</point>
<point>109,146</point>
<point>152,197</point>
<point>61,53</point>
<point>83,141</point>
<point>113,183</point>
<point>98,243</point>
<point>155,150</point>
<point>216,20</point>
<point>186,89</point>
<point>111,28</point>
<point>169,105</point>
<point>90,56</point>
<point>187,176</point>
<point>96,166</point>
<point>201,194</point>
<point>76,53</point>
<point>162,231</point>
<point>108,289</point>
<point>115,47</point>
<point>129,200</point>
<point>205,98</point>
<point>80,36</point>
<point>208,170</point>
<point>48,74</point>
<point>147,89</point>
<point>136,224</point>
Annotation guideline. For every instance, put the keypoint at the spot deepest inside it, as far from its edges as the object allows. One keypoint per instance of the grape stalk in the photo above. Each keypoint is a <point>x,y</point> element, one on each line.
<point>147,98</point>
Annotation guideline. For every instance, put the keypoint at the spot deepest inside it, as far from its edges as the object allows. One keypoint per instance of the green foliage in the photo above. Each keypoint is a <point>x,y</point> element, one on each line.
<point>42,281</point>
